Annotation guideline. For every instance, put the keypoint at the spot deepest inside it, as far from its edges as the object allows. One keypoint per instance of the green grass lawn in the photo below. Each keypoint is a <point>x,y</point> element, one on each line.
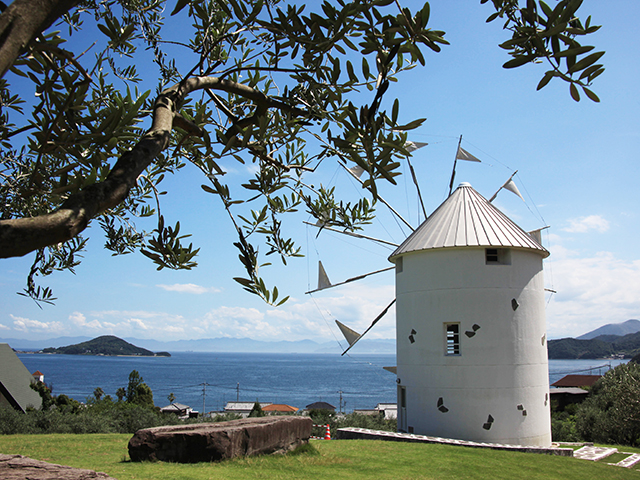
<point>336,459</point>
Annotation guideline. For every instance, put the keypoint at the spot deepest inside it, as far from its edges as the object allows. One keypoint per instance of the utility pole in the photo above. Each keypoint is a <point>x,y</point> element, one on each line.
<point>238,392</point>
<point>340,392</point>
<point>204,396</point>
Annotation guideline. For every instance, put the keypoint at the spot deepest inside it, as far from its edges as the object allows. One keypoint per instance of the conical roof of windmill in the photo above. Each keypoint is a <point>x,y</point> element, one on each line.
<point>467,219</point>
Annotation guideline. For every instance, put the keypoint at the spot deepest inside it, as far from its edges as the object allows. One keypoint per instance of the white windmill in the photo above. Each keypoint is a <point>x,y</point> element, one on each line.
<point>470,325</point>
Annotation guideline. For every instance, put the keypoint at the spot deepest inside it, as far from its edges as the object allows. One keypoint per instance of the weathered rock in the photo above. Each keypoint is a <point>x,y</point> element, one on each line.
<point>206,442</point>
<point>17,467</point>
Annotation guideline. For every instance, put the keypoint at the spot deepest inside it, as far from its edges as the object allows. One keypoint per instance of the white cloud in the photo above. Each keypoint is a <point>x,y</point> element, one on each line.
<point>586,224</point>
<point>4,327</point>
<point>27,325</point>
<point>188,288</point>
<point>592,291</point>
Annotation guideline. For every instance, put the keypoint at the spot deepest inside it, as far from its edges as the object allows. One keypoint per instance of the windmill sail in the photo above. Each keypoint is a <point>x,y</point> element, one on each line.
<point>508,185</point>
<point>382,314</point>
<point>351,335</point>
<point>323,278</point>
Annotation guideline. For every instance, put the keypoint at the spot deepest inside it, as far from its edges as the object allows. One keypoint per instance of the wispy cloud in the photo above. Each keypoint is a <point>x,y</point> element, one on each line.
<point>586,224</point>
<point>188,288</point>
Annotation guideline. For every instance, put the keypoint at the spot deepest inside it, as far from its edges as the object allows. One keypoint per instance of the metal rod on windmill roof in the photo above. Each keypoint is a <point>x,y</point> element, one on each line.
<point>415,182</point>
<point>455,161</point>
<point>382,314</point>
<point>352,279</point>
<point>353,234</point>
<point>461,154</point>
<point>393,210</point>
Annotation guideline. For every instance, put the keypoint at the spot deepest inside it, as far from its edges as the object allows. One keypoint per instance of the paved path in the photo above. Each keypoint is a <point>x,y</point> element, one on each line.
<point>628,462</point>
<point>590,452</point>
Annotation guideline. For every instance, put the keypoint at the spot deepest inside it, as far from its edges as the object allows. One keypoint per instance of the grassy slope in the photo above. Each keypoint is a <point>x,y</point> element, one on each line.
<point>353,459</point>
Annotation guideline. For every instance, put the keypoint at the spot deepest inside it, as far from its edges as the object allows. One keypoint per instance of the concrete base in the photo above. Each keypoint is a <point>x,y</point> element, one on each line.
<point>365,434</point>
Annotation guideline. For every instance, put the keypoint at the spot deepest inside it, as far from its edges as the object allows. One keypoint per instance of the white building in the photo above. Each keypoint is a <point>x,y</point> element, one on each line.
<point>470,320</point>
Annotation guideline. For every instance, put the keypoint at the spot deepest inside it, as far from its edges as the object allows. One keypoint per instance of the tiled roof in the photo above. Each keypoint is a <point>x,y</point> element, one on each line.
<point>576,381</point>
<point>278,407</point>
<point>467,219</point>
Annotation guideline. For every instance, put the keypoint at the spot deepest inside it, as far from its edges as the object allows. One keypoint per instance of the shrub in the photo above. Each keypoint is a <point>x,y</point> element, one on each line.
<point>611,414</point>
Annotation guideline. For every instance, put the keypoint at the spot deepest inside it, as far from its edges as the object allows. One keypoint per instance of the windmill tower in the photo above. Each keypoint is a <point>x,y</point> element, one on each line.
<point>470,321</point>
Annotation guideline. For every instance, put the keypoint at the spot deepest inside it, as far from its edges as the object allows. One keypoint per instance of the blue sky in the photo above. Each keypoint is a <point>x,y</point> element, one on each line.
<point>577,169</point>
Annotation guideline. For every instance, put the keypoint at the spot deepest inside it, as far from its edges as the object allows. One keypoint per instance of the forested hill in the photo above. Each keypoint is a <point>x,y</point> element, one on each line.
<point>105,345</point>
<point>600,347</point>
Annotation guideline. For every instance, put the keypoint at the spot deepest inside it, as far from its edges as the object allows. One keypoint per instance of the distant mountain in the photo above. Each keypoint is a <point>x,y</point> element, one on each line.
<point>601,347</point>
<point>28,344</point>
<point>105,345</point>
<point>619,329</point>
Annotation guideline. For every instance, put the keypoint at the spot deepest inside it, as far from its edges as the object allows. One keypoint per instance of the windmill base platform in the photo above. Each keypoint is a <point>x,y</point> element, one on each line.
<point>366,434</point>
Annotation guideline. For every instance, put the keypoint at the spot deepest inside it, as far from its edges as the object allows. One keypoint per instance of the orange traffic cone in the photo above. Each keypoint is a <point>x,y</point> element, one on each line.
<point>327,435</point>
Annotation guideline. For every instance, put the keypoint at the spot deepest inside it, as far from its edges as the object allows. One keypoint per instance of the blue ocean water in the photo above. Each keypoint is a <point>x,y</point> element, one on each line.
<point>217,378</point>
<point>293,379</point>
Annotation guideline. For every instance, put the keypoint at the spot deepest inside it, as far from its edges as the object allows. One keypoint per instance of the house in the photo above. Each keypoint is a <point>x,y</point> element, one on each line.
<point>182,411</point>
<point>388,410</point>
<point>15,381</point>
<point>276,408</point>
<point>244,408</point>
<point>563,396</point>
<point>321,406</point>
<point>577,381</point>
<point>38,376</point>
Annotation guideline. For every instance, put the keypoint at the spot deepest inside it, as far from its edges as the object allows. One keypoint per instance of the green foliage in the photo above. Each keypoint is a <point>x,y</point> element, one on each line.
<point>359,420</point>
<point>45,394</point>
<point>599,347</point>
<point>563,423</point>
<point>286,87</point>
<point>139,392</point>
<point>611,413</point>
<point>570,348</point>
<point>541,32</point>
<point>256,411</point>
<point>321,416</point>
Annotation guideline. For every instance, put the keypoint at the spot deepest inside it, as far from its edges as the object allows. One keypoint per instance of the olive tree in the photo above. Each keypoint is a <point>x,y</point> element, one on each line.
<point>285,86</point>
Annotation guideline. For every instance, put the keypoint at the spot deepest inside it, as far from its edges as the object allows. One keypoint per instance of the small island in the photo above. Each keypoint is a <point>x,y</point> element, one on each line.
<point>108,345</point>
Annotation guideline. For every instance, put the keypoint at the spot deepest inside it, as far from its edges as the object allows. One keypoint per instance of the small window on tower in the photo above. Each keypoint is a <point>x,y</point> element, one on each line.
<point>399,265</point>
<point>497,256</point>
<point>452,340</point>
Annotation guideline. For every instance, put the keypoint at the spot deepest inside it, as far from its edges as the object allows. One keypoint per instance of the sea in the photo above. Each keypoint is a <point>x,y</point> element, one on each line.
<point>207,381</point>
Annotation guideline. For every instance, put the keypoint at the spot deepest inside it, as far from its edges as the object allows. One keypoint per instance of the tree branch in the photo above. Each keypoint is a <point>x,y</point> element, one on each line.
<point>21,236</point>
<point>23,21</point>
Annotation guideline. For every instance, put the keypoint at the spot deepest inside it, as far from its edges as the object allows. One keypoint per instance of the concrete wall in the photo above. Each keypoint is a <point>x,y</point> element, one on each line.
<point>497,388</point>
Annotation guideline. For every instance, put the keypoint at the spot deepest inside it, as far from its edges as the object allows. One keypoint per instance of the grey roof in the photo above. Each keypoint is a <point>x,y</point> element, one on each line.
<point>175,407</point>
<point>320,406</point>
<point>15,380</point>
<point>467,219</point>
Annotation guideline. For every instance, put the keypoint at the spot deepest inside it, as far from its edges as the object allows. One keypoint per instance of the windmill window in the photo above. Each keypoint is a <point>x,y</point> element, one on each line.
<point>399,265</point>
<point>497,256</point>
<point>452,339</point>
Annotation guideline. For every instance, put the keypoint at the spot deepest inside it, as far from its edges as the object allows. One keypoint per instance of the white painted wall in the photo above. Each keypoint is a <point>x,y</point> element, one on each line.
<point>502,369</point>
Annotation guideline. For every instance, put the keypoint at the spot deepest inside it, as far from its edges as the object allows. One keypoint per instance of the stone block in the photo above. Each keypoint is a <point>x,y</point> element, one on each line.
<point>206,442</point>
<point>17,467</point>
